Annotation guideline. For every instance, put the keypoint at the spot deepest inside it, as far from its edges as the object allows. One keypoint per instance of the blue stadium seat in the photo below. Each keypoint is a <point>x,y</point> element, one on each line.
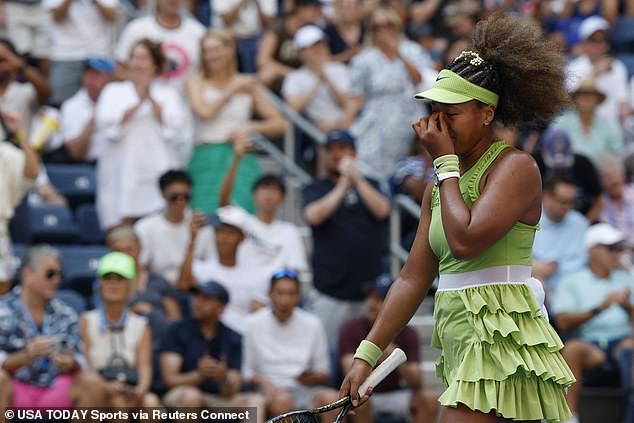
<point>19,224</point>
<point>72,299</point>
<point>78,183</point>
<point>622,35</point>
<point>52,224</point>
<point>89,230</point>
<point>80,266</point>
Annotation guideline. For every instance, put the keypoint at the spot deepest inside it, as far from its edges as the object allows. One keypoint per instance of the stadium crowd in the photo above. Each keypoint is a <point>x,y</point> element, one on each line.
<point>162,274</point>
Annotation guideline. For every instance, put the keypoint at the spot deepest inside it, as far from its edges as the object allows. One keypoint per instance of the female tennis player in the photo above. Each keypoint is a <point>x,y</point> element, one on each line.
<point>500,357</point>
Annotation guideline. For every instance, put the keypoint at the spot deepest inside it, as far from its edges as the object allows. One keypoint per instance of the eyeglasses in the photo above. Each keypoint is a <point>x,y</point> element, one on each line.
<point>285,274</point>
<point>51,274</point>
<point>597,40</point>
<point>383,25</point>
<point>570,202</point>
<point>179,196</point>
<point>616,248</point>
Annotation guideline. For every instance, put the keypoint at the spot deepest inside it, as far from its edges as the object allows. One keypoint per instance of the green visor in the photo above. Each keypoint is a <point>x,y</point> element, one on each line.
<point>450,88</point>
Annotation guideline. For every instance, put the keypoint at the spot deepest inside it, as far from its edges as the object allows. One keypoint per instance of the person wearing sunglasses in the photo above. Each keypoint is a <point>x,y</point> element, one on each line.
<point>165,237</point>
<point>285,351</point>
<point>598,303</point>
<point>41,356</point>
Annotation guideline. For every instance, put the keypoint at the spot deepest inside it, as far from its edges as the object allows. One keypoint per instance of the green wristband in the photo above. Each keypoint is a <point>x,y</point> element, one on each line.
<point>369,352</point>
<point>446,163</point>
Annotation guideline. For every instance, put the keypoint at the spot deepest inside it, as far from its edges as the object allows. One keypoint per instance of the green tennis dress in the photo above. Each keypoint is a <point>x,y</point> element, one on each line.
<point>499,353</point>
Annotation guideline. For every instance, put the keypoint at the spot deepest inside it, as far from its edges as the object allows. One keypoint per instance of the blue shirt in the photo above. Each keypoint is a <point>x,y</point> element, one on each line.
<point>17,330</point>
<point>583,291</point>
<point>562,242</point>
<point>185,339</point>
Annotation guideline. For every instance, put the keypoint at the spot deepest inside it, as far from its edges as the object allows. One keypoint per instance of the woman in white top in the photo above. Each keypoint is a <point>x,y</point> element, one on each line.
<point>143,120</point>
<point>223,102</point>
<point>117,342</point>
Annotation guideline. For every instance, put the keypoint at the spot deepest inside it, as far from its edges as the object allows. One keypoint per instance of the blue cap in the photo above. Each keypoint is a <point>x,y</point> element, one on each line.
<point>382,284</point>
<point>557,149</point>
<point>99,64</point>
<point>340,136</point>
<point>212,289</point>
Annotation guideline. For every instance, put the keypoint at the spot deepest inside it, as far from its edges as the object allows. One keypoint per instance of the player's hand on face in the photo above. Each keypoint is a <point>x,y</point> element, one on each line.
<point>433,131</point>
<point>358,373</point>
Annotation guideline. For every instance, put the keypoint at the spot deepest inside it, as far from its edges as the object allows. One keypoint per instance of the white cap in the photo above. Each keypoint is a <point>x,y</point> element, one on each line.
<point>234,216</point>
<point>603,234</point>
<point>591,25</point>
<point>307,36</point>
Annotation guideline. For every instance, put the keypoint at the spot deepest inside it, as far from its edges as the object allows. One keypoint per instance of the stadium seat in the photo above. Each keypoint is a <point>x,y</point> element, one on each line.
<point>78,183</point>
<point>622,35</point>
<point>89,230</point>
<point>19,224</point>
<point>72,299</point>
<point>80,266</point>
<point>628,60</point>
<point>51,224</point>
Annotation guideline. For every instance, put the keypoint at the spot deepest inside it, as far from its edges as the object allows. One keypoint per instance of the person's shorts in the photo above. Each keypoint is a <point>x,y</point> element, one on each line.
<point>174,395</point>
<point>394,402</point>
<point>30,396</point>
<point>608,373</point>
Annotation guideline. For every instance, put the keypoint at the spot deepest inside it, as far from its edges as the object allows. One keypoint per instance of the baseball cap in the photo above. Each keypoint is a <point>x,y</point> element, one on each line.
<point>117,263</point>
<point>381,285</point>
<point>232,216</point>
<point>340,136</point>
<point>603,234</point>
<point>212,289</point>
<point>591,25</point>
<point>557,149</point>
<point>99,64</point>
<point>308,36</point>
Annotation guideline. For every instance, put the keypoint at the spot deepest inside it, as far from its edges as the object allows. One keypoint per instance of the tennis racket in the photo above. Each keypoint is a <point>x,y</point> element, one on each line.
<point>309,416</point>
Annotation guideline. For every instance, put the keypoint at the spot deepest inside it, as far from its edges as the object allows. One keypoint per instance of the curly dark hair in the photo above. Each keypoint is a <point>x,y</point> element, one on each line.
<point>521,66</point>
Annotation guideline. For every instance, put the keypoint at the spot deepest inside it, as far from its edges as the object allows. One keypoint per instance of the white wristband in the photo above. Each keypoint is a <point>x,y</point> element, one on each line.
<point>447,175</point>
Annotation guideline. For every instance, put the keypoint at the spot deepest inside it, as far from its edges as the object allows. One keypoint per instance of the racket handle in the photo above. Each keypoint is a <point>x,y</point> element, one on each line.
<point>388,365</point>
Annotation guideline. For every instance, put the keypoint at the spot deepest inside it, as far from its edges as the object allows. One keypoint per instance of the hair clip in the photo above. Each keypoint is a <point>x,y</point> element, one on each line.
<point>476,60</point>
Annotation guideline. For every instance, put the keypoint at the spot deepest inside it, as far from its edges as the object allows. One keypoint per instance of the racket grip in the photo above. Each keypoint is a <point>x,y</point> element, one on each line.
<point>388,365</point>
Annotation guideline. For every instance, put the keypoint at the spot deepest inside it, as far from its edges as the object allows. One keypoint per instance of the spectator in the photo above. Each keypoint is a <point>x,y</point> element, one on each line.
<point>19,168</point>
<point>178,34</point>
<point>618,197</point>
<point>201,357</point>
<point>28,26</point>
<point>345,33</point>
<point>79,140</point>
<point>277,56</point>
<point>402,392</point>
<point>40,350</point>
<point>591,135</point>
<point>320,88</point>
<point>273,243</point>
<point>246,282</point>
<point>555,156</point>
<point>558,248</point>
<point>597,301</point>
<point>80,30</point>
<point>21,98</point>
<point>153,297</point>
<point>223,103</point>
<point>247,20</point>
<point>595,62</point>
<point>166,236</point>
<point>347,215</point>
<point>118,342</point>
<point>142,119</point>
<point>381,77</point>
<point>286,352</point>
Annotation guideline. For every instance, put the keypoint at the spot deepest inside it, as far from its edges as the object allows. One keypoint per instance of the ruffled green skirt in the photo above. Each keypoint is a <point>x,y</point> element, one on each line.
<point>499,354</point>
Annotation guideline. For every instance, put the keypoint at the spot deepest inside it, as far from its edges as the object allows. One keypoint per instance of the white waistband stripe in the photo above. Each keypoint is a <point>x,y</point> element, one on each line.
<point>492,276</point>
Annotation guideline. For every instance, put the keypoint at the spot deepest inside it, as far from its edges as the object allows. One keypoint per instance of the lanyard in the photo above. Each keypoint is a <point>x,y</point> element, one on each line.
<point>105,325</point>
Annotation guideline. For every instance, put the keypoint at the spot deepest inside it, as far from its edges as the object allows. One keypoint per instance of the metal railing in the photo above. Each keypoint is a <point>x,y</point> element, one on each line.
<point>398,254</point>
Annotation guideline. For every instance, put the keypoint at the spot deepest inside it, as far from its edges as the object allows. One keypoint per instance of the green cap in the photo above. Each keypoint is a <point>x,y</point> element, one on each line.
<point>118,263</point>
<point>451,88</point>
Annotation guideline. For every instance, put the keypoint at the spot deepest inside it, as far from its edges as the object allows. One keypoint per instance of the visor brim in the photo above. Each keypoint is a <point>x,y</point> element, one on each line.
<point>442,95</point>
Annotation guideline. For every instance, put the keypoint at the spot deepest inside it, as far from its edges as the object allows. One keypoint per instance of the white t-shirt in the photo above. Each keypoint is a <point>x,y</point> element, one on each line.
<point>84,33</point>
<point>280,352</point>
<point>323,107</point>
<point>245,284</point>
<point>19,98</point>
<point>276,245</point>
<point>164,244</point>
<point>75,114</point>
<point>612,83</point>
<point>248,23</point>
<point>180,45</point>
